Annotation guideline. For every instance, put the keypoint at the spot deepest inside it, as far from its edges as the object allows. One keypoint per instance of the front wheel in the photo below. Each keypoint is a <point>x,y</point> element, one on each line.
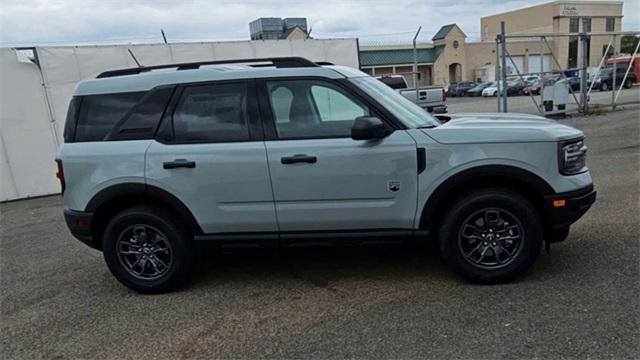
<point>147,250</point>
<point>491,235</point>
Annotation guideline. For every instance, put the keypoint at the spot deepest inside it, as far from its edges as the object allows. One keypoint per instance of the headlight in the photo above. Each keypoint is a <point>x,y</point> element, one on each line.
<point>572,157</point>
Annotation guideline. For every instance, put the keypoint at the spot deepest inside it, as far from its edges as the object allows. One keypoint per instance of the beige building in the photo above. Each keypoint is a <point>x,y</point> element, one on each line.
<point>450,58</point>
<point>562,17</point>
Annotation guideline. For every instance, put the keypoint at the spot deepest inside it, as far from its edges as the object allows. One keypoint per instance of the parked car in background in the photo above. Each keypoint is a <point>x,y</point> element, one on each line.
<point>533,87</point>
<point>477,90</point>
<point>156,164</point>
<point>514,87</point>
<point>604,80</point>
<point>396,82</point>
<point>430,98</point>
<point>574,82</point>
<point>460,89</point>
<point>491,89</point>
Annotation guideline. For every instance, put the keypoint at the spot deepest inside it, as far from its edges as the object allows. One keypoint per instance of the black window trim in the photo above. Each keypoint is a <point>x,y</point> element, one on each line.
<point>72,126</point>
<point>268,121</point>
<point>113,134</point>
<point>165,133</point>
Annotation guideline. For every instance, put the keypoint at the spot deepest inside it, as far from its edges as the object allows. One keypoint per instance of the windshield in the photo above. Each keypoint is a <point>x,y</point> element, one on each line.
<point>409,113</point>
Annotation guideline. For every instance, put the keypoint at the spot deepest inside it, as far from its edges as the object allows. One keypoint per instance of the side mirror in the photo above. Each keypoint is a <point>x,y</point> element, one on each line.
<point>368,128</point>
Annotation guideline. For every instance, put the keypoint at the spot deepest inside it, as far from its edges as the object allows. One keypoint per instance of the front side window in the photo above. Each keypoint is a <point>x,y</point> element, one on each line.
<point>214,113</point>
<point>312,109</point>
<point>404,110</point>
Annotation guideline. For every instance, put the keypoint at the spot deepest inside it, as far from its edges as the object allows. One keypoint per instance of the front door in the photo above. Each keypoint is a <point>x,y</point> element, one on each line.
<point>212,157</point>
<point>322,179</point>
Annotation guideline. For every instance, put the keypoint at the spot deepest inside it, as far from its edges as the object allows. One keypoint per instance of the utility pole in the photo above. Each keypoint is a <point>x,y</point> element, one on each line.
<point>415,62</point>
<point>503,41</point>
<point>496,72</point>
<point>615,73</point>
<point>164,37</point>
<point>585,59</point>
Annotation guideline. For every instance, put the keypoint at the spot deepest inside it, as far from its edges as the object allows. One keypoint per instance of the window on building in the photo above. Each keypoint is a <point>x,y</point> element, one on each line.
<point>586,23</point>
<point>574,25</point>
<point>610,25</point>
<point>573,52</point>
<point>609,52</point>
<point>212,113</point>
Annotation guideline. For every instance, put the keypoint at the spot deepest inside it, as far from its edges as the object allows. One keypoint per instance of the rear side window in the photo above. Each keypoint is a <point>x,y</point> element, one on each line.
<point>142,121</point>
<point>213,113</point>
<point>72,116</point>
<point>99,113</point>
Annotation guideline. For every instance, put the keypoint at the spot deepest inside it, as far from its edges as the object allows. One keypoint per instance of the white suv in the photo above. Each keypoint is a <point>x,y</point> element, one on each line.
<point>271,152</point>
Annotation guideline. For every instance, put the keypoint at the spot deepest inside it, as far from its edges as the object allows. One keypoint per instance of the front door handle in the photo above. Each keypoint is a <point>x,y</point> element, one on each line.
<point>179,163</point>
<point>298,158</point>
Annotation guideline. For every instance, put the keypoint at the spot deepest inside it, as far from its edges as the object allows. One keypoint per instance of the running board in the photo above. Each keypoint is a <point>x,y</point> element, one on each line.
<point>308,238</point>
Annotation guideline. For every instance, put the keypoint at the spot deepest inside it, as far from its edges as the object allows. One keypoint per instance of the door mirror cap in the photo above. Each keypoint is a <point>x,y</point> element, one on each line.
<point>368,128</point>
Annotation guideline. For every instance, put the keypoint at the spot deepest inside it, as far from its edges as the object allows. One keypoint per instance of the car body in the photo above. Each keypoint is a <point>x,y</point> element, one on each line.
<point>533,87</point>
<point>604,80</point>
<point>430,98</point>
<point>477,90</point>
<point>460,89</point>
<point>158,163</point>
<point>514,87</point>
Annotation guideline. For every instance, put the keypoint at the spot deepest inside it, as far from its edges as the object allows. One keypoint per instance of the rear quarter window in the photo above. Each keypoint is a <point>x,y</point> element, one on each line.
<point>99,113</point>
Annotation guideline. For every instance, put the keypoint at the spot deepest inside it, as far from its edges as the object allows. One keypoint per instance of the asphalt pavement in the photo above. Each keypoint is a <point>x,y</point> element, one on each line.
<point>58,299</point>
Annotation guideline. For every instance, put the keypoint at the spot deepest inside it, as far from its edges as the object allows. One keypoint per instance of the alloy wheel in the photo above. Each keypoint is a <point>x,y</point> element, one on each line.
<point>144,252</point>
<point>491,238</point>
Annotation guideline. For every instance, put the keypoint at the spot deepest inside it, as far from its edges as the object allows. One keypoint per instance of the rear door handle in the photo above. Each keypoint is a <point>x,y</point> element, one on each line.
<point>298,158</point>
<point>179,163</point>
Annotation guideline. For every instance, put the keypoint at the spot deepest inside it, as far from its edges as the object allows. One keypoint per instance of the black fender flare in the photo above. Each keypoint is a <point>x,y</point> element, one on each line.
<point>516,174</point>
<point>144,191</point>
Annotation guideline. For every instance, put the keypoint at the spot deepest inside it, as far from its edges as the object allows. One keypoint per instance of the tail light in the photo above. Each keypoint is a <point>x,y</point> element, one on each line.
<point>60,174</point>
<point>444,95</point>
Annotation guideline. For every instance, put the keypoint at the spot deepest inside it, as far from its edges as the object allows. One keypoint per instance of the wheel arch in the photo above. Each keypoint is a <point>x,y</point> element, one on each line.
<point>111,200</point>
<point>522,181</point>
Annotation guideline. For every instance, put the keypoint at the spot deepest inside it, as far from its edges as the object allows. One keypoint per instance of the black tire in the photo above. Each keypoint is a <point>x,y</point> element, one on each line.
<point>178,257</point>
<point>512,206</point>
<point>627,84</point>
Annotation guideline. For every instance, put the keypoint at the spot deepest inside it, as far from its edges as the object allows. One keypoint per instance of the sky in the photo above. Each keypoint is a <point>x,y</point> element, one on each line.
<point>70,22</point>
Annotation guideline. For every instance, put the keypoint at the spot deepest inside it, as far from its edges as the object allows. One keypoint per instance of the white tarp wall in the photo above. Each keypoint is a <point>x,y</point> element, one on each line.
<point>32,121</point>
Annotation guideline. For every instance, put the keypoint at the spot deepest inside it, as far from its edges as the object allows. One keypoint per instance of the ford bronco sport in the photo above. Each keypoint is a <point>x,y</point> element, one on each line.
<point>158,160</point>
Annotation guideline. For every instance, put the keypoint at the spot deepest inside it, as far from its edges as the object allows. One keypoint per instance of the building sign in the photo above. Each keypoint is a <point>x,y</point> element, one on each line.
<point>569,10</point>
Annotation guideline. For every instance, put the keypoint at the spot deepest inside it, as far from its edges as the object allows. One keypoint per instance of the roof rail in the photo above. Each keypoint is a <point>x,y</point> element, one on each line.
<point>279,62</point>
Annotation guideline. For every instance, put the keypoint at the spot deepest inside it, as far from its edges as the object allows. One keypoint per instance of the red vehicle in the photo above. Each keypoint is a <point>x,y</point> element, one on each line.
<point>623,61</point>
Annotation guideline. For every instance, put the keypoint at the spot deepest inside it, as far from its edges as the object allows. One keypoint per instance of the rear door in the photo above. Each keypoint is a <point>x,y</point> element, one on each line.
<point>210,154</point>
<point>322,179</point>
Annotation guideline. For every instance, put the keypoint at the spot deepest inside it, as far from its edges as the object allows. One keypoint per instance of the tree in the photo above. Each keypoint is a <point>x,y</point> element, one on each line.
<point>628,44</point>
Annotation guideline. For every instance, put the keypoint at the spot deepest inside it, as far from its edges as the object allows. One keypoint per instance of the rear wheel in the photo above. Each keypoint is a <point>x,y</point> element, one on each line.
<point>147,250</point>
<point>627,84</point>
<point>491,235</point>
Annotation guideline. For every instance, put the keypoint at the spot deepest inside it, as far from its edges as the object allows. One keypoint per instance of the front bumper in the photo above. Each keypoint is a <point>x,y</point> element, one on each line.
<point>79,224</point>
<point>563,209</point>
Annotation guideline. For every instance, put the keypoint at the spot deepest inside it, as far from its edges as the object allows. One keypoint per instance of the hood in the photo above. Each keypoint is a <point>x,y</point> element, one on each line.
<point>500,128</point>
